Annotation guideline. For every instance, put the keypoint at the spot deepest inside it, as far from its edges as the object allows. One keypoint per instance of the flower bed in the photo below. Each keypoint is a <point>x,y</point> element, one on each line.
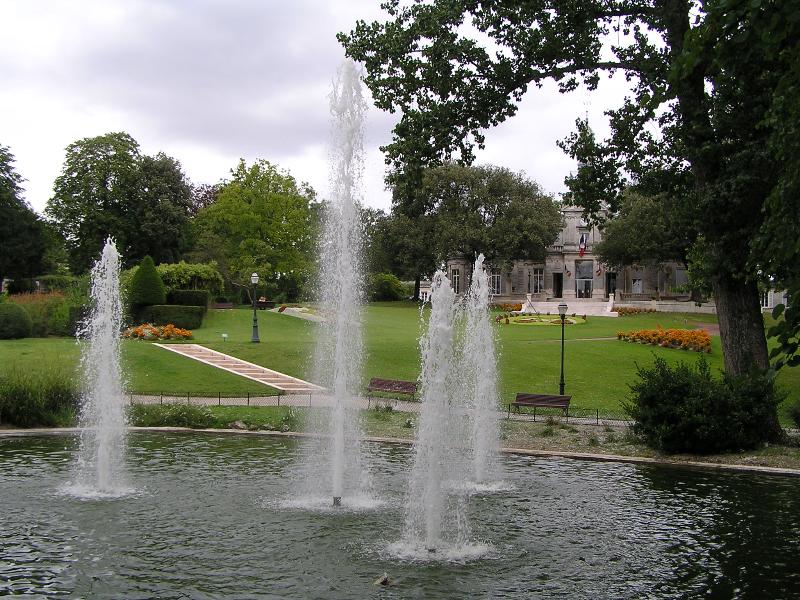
<point>697,340</point>
<point>632,310</point>
<point>508,307</point>
<point>148,331</point>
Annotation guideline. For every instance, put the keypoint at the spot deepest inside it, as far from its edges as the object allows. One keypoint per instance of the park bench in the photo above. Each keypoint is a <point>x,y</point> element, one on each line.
<point>391,386</point>
<point>540,401</point>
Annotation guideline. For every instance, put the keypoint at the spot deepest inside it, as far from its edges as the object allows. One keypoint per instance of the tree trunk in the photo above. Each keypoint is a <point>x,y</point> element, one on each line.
<point>416,287</point>
<point>741,326</point>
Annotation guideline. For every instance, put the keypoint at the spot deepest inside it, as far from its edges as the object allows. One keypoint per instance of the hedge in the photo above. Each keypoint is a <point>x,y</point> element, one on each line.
<point>14,322</point>
<point>185,317</point>
<point>189,298</point>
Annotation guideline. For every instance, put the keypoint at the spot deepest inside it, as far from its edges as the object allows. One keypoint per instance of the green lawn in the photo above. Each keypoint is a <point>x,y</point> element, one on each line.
<point>598,370</point>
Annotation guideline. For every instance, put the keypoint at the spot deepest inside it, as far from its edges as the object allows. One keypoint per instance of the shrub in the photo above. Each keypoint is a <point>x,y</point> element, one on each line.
<point>49,312</point>
<point>184,317</point>
<point>170,415</point>
<point>146,287</point>
<point>194,276</point>
<point>38,399</point>
<point>794,413</point>
<point>508,307</point>
<point>58,283</point>
<point>632,310</point>
<point>683,409</point>
<point>14,322</point>
<point>385,286</point>
<point>189,298</point>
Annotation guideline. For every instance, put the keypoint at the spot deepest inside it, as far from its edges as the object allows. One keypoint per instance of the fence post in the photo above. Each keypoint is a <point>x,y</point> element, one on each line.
<point>597,410</point>
<point>248,398</point>
<point>161,399</point>
<point>534,414</point>
<point>279,399</point>
<point>187,399</point>
<point>219,399</point>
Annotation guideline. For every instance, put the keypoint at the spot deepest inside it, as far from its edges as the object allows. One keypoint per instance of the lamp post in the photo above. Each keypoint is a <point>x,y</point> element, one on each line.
<point>254,281</point>
<point>562,311</point>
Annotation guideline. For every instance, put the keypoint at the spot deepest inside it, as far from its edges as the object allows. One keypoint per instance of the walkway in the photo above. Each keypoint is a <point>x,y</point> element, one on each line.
<point>284,383</point>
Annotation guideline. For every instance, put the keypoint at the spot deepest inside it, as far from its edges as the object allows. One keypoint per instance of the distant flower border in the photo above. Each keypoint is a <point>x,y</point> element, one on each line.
<point>148,331</point>
<point>697,340</point>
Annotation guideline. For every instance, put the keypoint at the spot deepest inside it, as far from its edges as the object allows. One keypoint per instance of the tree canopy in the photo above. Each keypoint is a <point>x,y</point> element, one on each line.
<point>696,126</point>
<point>24,238</point>
<point>107,187</point>
<point>262,221</point>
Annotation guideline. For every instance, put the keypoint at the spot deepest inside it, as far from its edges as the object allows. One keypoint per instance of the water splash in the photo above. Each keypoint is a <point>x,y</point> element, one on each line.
<point>429,506</point>
<point>479,370</point>
<point>339,348</point>
<point>100,466</point>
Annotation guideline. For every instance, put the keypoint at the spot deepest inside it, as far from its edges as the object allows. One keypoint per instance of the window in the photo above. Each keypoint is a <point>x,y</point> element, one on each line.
<point>765,300</point>
<point>423,295</point>
<point>535,281</point>
<point>584,278</point>
<point>495,282</point>
<point>455,278</point>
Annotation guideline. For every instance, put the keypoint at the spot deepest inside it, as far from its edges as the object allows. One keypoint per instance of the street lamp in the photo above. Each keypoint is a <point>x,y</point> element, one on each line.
<point>562,311</point>
<point>254,281</point>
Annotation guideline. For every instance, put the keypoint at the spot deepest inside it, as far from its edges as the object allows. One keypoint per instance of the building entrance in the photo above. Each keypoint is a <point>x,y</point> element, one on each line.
<point>558,285</point>
<point>611,284</point>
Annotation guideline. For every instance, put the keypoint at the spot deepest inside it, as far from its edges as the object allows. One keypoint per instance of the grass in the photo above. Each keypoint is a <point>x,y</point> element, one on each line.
<point>598,367</point>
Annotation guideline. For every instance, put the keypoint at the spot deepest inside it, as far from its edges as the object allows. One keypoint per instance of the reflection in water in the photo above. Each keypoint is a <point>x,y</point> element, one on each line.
<point>207,524</point>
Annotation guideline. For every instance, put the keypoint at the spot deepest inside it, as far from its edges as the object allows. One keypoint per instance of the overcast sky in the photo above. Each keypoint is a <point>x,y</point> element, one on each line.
<point>208,82</point>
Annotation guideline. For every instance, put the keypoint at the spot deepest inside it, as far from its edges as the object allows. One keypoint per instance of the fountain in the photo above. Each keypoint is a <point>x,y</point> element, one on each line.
<point>479,369</point>
<point>339,347</point>
<point>100,464</point>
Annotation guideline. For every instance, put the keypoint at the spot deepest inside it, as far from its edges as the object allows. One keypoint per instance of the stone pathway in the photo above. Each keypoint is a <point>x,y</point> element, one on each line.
<point>284,383</point>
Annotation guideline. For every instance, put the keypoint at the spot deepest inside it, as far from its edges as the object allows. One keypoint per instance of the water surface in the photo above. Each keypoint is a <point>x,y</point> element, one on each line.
<point>210,519</point>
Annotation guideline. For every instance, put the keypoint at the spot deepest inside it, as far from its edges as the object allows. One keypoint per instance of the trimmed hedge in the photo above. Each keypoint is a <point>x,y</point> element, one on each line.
<point>146,287</point>
<point>189,298</point>
<point>185,317</point>
<point>684,409</point>
<point>170,415</point>
<point>15,322</point>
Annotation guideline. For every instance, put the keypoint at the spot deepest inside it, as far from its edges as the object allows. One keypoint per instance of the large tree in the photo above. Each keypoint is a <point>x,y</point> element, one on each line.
<point>703,77</point>
<point>491,211</point>
<point>107,187</point>
<point>262,221</point>
<point>24,239</point>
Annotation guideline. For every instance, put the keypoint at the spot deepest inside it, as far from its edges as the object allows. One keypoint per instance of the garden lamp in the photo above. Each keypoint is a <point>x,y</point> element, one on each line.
<point>254,281</point>
<point>562,311</point>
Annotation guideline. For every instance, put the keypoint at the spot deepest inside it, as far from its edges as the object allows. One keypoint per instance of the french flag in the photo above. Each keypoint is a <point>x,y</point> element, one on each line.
<point>582,245</point>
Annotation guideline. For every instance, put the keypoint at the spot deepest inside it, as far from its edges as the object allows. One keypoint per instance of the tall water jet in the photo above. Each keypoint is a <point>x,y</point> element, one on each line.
<point>339,347</point>
<point>479,369</point>
<point>102,412</point>
<point>433,446</point>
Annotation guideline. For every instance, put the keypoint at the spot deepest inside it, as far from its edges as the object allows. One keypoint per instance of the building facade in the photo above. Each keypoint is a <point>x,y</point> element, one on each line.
<point>571,272</point>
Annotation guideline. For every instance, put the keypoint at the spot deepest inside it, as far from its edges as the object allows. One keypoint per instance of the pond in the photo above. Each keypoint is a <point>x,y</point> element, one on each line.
<point>210,519</point>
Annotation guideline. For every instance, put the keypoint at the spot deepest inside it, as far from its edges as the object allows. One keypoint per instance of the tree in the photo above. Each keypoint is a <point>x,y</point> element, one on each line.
<point>703,78</point>
<point>262,221</point>
<point>146,287</point>
<point>23,236</point>
<point>108,188</point>
<point>489,210</point>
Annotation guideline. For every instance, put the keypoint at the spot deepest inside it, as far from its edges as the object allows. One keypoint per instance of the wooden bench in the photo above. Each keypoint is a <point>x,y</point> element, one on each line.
<point>391,386</point>
<point>541,401</point>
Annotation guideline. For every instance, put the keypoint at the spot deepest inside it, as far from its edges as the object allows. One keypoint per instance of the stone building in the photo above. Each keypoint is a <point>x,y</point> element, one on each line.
<point>573,274</point>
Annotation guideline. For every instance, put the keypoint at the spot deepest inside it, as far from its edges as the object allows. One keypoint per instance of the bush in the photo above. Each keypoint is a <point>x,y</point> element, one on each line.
<point>49,312</point>
<point>41,399</point>
<point>794,413</point>
<point>385,286</point>
<point>170,415</point>
<point>58,283</point>
<point>683,409</point>
<point>14,322</point>
<point>21,286</point>
<point>146,287</point>
<point>189,298</point>
<point>184,317</point>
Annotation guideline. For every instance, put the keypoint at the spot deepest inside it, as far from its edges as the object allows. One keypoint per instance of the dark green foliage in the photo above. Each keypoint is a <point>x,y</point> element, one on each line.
<point>146,287</point>
<point>170,415</point>
<point>787,332</point>
<point>42,399</point>
<point>385,286</point>
<point>185,317</point>
<point>14,322</point>
<point>58,283</point>
<point>684,409</point>
<point>794,412</point>
<point>189,297</point>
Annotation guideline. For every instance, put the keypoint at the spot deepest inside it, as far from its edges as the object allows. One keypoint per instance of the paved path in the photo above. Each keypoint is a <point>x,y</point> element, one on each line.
<point>284,383</point>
